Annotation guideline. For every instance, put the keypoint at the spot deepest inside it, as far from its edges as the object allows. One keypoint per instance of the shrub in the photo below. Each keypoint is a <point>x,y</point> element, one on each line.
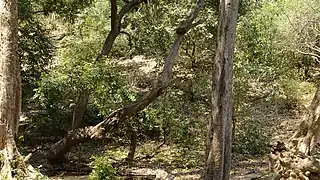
<point>102,169</point>
<point>250,138</point>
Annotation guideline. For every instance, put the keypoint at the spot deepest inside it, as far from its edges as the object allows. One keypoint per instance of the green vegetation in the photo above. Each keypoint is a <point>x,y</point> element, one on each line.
<point>102,169</point>
<point>276,69</point>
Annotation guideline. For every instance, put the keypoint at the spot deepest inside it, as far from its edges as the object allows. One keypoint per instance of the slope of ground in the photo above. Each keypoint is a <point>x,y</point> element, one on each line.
<point>170,162</point>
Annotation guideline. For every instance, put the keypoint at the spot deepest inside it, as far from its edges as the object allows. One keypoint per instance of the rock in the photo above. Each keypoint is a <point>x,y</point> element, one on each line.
<point>161,175</point>
<point>307,173</point>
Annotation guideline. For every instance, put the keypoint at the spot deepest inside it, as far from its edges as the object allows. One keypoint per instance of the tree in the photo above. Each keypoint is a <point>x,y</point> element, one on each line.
<point>307,135</point>
<point>10,83</point>
<point>36,43</point>
<point>218,152</point>
<point>119,116</point>
<point>116,26</point>
<point>11,164</point>
<point>297,158</point>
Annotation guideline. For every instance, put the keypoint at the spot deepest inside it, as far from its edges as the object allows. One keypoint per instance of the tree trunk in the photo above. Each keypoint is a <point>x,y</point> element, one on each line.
<point>59,149</point>
<point>307,134</point>
<point>296,160</point>
<point>218,152</point>
<point>10,94</point>
<point>116,18</point>
<point>9,84</point>
<point>133,145</point>
<point>80,110</point>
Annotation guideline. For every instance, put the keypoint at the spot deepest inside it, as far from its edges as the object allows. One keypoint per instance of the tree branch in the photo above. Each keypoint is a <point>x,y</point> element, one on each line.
<point>115,25</point>
<point>314,47</point>
<point>117,117</point>
<point>193,15</point>
<point>114,12</point>
<point>308,53</point>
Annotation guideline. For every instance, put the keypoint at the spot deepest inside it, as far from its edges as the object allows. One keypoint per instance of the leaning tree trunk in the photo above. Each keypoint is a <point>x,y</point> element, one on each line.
<point>218,152</point>
<point>116,26</point>
<point>111,122</point>
<point>11,165</point>
<point>296,159</point>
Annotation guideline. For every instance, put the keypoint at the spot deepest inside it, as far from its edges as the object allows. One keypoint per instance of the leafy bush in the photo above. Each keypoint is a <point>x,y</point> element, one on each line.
<point>250,138</point>
<point>102,169</point>
<point>297,92</point>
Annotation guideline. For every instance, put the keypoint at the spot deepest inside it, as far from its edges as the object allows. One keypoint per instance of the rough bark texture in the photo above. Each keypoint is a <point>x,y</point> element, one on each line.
<point>111,122</point>
<point>9,68</point>
<point>133,145</point>
<point>307,134</point>
<point>218,152</point>
<point>298,159</point>
<point>10,95</point>
<point>9,83</point>
<point>80,110</point>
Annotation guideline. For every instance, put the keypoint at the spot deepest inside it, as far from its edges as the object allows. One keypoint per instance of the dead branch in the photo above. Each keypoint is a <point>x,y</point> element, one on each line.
<point>309,54</point>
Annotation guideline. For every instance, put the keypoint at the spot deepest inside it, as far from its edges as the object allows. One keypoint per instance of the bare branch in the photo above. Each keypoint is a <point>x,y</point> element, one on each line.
<point>191,56</point>
<point>128,7</point>
<point>196,24</point>
<point>187,25</point>
<point>308,53</point>
<point>313,47</point>
<point>295,29</point>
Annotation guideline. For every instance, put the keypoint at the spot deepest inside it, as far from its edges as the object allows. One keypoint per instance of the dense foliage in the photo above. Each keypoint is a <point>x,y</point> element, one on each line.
<point>276,63</point>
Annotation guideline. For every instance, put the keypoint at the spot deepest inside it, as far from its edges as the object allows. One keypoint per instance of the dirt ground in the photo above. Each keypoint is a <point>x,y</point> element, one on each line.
<point>171,162</point>
<point>167,163</point>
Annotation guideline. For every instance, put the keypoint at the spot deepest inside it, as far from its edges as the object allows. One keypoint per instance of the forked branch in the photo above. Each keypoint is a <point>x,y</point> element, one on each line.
<point>116,19</point>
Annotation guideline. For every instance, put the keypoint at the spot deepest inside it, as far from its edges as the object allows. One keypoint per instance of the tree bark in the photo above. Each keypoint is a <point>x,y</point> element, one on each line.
<point>9,84</point>
<point>133,145</point>
<point>80,110</point>
<point>10,94</point>
<point>218,152</point>
<point>295,160</point>
<point>307,134</point>
<point>119,116</point>
<point>9,67</point>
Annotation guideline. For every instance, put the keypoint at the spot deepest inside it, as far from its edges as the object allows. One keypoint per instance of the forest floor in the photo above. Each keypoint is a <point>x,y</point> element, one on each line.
<point>177,162</point>
<point>170,161</point>
<point>281,122</point>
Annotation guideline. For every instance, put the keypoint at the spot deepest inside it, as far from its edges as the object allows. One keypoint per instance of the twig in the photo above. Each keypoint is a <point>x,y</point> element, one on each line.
<point>155,152</point>
<point>309,54</point>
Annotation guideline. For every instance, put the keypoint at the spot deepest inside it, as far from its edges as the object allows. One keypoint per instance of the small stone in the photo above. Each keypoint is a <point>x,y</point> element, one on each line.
<point>307,173</point>
<point>286,175</point>
<point>293,175</point>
